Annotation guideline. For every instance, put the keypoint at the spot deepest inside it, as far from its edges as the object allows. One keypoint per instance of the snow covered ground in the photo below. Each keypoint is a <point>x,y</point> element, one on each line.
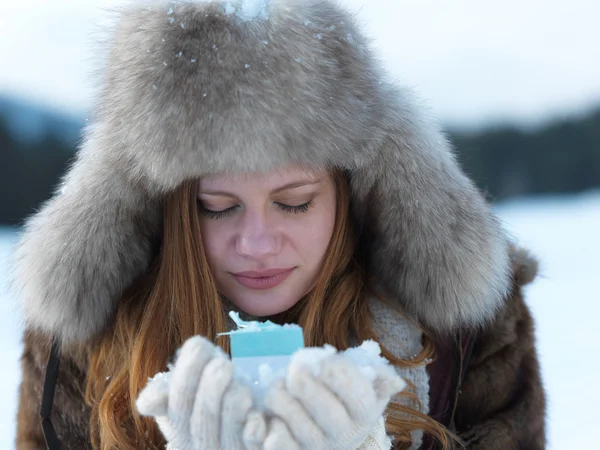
<point>10,347</point>
<point>562,231</point>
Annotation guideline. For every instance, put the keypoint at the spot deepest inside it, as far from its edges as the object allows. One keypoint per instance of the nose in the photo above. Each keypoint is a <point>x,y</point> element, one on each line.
<point>257,238</point>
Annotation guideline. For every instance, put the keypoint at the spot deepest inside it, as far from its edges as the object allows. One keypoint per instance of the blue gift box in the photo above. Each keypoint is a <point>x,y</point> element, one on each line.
<point>255,344</point>
<point>268,341</point>
<point>256,339</point>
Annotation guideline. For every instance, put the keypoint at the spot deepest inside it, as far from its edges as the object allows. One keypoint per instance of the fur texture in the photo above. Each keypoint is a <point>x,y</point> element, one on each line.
<point>70,415</point>
<point>197,91</point>
<point>502,404</point>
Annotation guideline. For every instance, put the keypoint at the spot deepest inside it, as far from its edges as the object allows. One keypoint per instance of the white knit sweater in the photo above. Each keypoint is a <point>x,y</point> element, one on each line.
<point>403,339</point>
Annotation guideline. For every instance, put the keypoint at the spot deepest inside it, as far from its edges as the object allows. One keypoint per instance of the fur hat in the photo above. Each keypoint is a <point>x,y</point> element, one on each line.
<point>195,88</point>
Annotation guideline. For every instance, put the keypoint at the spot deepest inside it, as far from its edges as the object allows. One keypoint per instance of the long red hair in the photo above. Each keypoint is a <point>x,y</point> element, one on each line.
<point>178,299</point>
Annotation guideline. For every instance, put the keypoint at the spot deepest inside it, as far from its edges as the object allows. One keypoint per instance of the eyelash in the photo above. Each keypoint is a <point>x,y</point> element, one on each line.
<point>216,214</point>
<point>299,209</point>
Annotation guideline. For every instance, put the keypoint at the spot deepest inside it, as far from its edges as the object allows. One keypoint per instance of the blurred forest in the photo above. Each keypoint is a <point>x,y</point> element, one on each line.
<point>36,147</point>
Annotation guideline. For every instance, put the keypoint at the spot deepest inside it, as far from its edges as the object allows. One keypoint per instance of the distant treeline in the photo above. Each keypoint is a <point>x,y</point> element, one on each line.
<point>505,162</point>
<point>562,157</point>
<point>29,171</point>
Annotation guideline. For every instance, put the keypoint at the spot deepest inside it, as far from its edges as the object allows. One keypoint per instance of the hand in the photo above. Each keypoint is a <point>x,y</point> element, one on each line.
<point>198,404</point>
<point>332,405</point>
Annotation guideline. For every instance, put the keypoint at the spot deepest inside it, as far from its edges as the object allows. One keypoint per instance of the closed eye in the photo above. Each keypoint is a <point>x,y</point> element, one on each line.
<point>298,209</point>
<point>291,209</point>
<point>210,214</point>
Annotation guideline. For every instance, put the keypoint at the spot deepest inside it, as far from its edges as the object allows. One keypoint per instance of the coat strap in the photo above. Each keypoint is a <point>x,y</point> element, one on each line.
<point>465,345</point>
<point>52,442</point>
<point>446,376</point>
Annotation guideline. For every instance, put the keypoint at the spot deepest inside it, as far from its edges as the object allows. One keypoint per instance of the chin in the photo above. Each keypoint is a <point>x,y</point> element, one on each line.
<point>262,307</point>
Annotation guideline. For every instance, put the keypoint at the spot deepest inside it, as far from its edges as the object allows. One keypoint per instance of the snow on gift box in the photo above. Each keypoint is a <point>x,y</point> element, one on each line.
<point>262,351</point>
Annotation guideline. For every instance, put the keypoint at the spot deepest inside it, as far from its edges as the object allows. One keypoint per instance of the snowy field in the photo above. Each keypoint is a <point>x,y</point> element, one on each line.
<point>562,231</point>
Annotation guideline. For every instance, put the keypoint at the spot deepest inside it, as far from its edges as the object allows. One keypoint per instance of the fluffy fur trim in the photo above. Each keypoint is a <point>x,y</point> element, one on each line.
<point>524,265</point>
<point>191,88</point>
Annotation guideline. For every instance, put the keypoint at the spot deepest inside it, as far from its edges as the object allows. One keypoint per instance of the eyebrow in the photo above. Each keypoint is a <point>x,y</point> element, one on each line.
<point>285,187</point>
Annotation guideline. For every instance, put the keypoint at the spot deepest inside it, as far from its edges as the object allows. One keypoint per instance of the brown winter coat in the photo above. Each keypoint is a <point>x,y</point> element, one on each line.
<point>500,406</point>
<point>504,366</point>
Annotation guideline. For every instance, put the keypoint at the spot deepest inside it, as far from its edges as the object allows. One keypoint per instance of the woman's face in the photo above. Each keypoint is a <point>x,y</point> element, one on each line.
<point>266,235</point>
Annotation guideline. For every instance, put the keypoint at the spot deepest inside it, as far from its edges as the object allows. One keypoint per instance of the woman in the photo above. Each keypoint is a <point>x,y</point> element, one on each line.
<point>254,157</point>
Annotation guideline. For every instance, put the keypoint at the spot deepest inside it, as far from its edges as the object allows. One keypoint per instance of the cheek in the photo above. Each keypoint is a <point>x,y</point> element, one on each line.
<point>213,238</point>
<point>314,239</point>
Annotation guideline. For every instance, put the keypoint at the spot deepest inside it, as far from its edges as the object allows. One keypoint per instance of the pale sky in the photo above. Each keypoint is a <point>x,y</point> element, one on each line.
<point>470,61</point>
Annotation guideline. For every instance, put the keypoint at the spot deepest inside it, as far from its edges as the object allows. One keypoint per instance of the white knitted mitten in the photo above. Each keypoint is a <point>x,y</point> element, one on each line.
<point>330,404</point>
<point>378,438</point>
<point>198,405</point>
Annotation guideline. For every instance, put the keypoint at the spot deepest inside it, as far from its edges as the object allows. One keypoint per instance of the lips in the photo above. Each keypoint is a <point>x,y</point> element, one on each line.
<point>262,279</point>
